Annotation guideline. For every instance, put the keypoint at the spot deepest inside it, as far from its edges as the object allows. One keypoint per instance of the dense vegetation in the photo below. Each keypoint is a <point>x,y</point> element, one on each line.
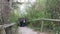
<point>40,9</point>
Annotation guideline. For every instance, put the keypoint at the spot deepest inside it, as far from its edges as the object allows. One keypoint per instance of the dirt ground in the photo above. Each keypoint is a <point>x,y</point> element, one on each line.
<point>27,30</point>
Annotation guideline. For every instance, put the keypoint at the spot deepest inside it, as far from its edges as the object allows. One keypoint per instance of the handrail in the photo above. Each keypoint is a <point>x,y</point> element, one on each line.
<point>6,25</point>
<point>44,19</point>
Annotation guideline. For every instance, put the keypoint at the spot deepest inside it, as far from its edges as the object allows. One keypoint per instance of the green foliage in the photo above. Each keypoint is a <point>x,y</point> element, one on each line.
<point>13,18</point>
<point>42,9</point>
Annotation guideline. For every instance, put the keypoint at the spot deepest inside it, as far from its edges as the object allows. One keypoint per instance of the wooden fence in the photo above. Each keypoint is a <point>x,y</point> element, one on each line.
<point>44,19</point>
<point>8,27</point>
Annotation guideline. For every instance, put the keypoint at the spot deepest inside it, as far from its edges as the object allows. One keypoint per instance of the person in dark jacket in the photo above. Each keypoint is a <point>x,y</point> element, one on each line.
<point>22,22</point>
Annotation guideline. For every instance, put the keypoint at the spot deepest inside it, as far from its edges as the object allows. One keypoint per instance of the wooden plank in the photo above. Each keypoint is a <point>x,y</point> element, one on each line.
<point>44,19</point>
<point>8,25</point>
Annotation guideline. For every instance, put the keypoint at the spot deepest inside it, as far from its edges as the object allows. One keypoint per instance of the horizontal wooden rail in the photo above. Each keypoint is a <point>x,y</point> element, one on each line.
<point>6,25</point>
<point>44,19</point>
<point>1,27</point>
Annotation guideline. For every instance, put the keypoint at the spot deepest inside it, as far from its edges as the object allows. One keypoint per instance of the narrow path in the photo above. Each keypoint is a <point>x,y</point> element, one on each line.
<point>27,30</point>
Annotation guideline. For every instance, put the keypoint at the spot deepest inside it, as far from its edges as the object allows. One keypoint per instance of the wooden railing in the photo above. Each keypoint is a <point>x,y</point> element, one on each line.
<point>8,27</point>
<point>44,19</point>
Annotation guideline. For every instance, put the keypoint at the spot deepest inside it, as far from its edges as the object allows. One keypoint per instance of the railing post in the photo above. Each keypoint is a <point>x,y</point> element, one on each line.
<point>2,30</point>
<point>42,25</point>
<point>9,28</point>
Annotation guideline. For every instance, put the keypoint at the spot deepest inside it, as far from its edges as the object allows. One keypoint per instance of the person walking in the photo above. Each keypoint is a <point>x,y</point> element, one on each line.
<point>22,22</point>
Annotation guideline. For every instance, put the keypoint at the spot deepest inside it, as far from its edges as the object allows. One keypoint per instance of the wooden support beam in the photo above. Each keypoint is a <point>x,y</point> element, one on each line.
<point>2,30</point>
<point>42,25</point>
